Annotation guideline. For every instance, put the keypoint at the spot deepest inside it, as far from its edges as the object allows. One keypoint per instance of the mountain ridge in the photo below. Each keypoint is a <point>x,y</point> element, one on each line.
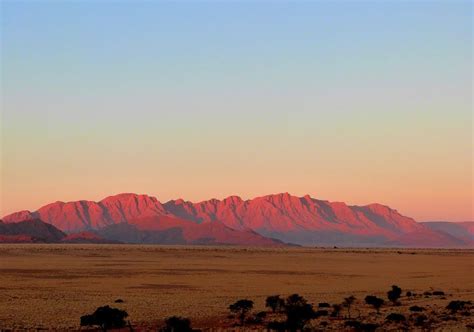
<point>301,220</point>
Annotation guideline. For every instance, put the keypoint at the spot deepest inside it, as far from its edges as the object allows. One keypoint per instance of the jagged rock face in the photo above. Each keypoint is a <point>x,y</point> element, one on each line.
<point>302,220</point>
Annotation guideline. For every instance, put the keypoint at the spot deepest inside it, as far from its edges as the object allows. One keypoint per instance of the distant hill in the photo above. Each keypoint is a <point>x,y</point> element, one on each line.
<point>291,219</point>
<point>37,231</point>
<point>152,230</point>
<point>461,230</point>
<point>34,231</point>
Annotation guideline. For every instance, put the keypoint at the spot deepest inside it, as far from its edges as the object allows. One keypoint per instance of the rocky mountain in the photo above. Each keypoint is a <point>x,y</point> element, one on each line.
<point>300,220</point>
<point>170,230</point>
<point>147,230</point>
<point>30,231</point>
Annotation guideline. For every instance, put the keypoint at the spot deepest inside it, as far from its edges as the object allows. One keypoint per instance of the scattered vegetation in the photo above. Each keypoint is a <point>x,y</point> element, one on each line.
<point>457,305</point>
<point>348,301</point>
<point>298,312</point>
<point>294,313</point>
<point>105,318</point>
<point>416,308</point>
<point>241,308</point>
<point>275,302</point>
<point>359,326</point>
<point>259,317</point>
<point>321,313</point>
<point>177,324</point>
<point>374,301</point>
<point>420,320</point>
<point>336,310</point>
<point>394,294</point>
<point>395,317</point>
<point>438,293</point>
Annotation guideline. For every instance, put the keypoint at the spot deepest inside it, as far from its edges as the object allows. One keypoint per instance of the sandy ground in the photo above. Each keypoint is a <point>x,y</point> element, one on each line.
<point>51,286</point>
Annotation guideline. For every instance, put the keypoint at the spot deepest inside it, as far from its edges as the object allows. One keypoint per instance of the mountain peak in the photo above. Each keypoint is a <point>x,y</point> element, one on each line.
<point>301,220</point>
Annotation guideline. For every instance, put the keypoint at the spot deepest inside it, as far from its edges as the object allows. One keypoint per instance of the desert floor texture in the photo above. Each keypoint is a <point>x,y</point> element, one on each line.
<point>51,286</point>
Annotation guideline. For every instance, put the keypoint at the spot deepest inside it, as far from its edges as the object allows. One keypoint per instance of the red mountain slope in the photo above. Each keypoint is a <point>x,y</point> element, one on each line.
<point>302,220</point>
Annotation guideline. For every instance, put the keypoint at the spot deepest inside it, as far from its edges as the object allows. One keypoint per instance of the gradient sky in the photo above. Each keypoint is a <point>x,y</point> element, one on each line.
<point>348,101</point>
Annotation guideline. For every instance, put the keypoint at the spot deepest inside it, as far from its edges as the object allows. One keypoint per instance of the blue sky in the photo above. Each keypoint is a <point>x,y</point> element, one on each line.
<point>200,99</point>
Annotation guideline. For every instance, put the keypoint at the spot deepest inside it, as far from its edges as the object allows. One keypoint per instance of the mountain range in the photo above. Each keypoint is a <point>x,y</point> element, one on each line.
<point>268,220</point>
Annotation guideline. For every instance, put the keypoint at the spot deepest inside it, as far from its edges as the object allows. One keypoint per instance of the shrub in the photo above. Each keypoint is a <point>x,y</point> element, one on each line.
<point>416,308</point>
<point>177,324</point>
<point>276,326</point>
<point>321,313</point>
<point>427,294</point>
<point>457,305</point>
<point>275,303</point>
<point>241,308</point>
<point>420,320</point>
<point>359,326</point>
<point>298,312</point>
<point>394,317</point>
<point>370,327</point>
<point>106,318</point>
<point>348,301</point>
<point>352,323</point>
<point>324,305</point>
<point>438,293</point>
<point>394,294</point>
<point>374,301</point>
<point>409,293</point>
<point>336,310</point>
<point>259,317</point>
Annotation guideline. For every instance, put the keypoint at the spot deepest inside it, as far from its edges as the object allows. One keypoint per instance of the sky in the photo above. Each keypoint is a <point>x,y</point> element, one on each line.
<point>348,101</point>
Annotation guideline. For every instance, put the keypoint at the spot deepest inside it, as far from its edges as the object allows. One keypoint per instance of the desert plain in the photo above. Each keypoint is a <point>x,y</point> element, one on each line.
<point>50,286</point>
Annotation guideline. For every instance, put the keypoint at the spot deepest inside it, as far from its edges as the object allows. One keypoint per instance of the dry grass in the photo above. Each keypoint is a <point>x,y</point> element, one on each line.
<point>53,285</point>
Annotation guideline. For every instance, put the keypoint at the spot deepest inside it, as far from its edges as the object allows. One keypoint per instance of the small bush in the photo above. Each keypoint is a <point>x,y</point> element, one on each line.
<point>348,301</point>
<point>276,326</point>
<point>275,303</point>
<point>177,324</point>
<point>336,310</point>
<point>420,320</point>
<point>438,293</point>
<point>416,308</point>
<point>259,317</point>
<point>324,305</point>
<point>395,317</point>
<point>261,314</point>
<point>321,313</point>
<point>374,301</point>
<point>118,301</point>
<point>106,318</point>
<point>352,323</point>
<point>394,294</point>
<point>409,294</point>
<point>241,308</point>
<point>457,305</point>
<point>359,326</point>
<point>298,312</point>
<point>427,293</point>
